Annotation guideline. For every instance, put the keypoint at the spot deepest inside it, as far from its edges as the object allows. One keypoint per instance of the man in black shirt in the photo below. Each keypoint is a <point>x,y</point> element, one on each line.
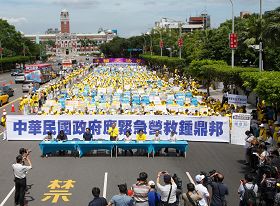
<point>87,136</point>
<point>97,201</point>
<point>61,136</point>
<point>219,190</point>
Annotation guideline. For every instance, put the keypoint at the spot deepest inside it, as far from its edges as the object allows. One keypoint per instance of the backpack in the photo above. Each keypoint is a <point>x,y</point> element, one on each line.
<point>249,197</point>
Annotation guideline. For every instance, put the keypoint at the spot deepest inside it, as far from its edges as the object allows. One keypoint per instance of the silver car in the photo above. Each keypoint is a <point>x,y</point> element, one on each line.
<point>27,86</point>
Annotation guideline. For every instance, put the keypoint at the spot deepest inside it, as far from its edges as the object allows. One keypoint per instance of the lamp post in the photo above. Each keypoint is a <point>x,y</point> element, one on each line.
<point>144,46</point>
<point>151,41</point>
<point>180,37</point>
<point>1,49</point>
<point>232,31</point>
<point>160,43</point>
<point>260,45</point>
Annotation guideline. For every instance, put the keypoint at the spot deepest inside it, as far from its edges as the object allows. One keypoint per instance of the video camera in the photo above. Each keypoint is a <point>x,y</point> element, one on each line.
<point>208,179</point>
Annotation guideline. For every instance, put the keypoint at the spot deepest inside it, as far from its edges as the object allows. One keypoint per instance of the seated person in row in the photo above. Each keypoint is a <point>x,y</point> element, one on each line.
<point>61,136</point>
<point>141,136</point>
<point>128,138</point>
<point>157,136</point>
<point>87,136</point>
<point>49,136</point>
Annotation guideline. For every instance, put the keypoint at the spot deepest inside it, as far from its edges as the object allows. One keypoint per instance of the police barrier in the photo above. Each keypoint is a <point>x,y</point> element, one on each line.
<point>34,127</point>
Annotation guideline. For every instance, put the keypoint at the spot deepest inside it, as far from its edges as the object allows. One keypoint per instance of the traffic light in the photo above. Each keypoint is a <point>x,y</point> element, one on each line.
<point>233,41</point>
<point>180,42</point>
<point>161,43</point>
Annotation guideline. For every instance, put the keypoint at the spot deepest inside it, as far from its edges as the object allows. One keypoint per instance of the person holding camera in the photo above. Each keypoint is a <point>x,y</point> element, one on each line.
<point>20,172</point>
<point>192,196</point>
<point>24,153</point>
<point>141,190</point>
<point>168,190</point>
<point>202,190</point>
<point>248,191</point>
<point>219,190</point>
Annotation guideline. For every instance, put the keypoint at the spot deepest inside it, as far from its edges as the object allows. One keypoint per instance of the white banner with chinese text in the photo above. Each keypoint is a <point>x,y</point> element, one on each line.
<point>237,99</point>
<point>240,124</point>
<point>36,127</point>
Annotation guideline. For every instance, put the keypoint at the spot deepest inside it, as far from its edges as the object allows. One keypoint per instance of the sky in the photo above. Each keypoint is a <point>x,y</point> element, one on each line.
<point>129,17</point>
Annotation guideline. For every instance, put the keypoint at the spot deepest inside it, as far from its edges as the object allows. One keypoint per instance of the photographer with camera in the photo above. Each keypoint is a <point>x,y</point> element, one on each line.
<point>24,153</point>
<point>168,190</point>
<point>219,190</point>
<point>20,172</point>
<point>141,190</point>
<point>200,187</point>
<point>248,191</point>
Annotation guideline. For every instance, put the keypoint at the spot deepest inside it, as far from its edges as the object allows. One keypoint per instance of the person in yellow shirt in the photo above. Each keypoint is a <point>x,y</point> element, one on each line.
<point>276,130</point>
<point>141,136</point>
<point>3,124</point>
<point>262,134</point>
<point>113,131</point>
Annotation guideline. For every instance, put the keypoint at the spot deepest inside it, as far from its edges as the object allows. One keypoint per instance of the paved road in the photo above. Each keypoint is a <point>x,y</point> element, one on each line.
<point>6,78</point>
<point>90,171</point>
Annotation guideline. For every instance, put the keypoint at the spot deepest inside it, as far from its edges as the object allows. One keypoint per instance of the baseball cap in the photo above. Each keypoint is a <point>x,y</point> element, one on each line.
<point>199,178</point>
<point>261,125</point>
<point>151,182</point>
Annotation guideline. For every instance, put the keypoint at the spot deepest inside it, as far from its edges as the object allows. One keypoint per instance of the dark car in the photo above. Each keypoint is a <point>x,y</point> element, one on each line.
<point>7,90</point>
<point>15,72</point>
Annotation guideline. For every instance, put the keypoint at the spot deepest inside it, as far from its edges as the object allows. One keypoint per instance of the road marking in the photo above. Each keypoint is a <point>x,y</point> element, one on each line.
<point>104,186</point>
<point>190,177</point>
<point>10,102</point>
<point>8,196</point>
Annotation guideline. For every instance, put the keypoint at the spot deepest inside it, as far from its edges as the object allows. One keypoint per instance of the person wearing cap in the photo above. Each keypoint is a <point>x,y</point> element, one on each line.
<point>205,201</point>
<point>153,195</point>
<point>20,172</point>
<point>141,190</point>
<point>192,196</point>
<point>122,198</point>
<point>262,133</point>
<point>168,190</point>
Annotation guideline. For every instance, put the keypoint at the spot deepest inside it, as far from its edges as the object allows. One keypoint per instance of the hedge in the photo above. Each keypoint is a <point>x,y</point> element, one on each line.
<point>171,62</point>
<point>16,59</point>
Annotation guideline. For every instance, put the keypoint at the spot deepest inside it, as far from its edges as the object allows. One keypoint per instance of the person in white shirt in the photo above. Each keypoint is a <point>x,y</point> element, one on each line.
<point>202,190</point>
<point>157,136</point>
<point>172,139</point>
<point>168,190</point>
<point>128,138</point>
<point>20,172</point>
<point>248,139</point>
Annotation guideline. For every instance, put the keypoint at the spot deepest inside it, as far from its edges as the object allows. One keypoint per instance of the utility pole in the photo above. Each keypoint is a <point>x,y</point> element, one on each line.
<point>23,49</point>
<point>260,46</point>
<point>180,37</point>
<point>1,49</point>
<point>232,31</point>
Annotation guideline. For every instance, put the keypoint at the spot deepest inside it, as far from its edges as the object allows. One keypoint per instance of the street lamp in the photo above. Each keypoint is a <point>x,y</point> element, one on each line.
<point>180,37</point>
<point>151,40</point>
<point>161,42</point>
<point>144,46</point>
<point>260,46</point>
<point>232,31</point>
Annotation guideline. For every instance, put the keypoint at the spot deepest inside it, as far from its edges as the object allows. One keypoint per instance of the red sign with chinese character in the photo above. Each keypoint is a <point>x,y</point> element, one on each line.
<point>180,42</point>
<point>233,41</point>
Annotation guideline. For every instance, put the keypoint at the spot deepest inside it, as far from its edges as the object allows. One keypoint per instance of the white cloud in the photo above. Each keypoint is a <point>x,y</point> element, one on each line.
<point>76,3</point>
<point>15,20</point>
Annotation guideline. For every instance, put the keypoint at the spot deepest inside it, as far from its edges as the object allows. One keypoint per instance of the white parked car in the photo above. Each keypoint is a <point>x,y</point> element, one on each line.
<point>19,78</point>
